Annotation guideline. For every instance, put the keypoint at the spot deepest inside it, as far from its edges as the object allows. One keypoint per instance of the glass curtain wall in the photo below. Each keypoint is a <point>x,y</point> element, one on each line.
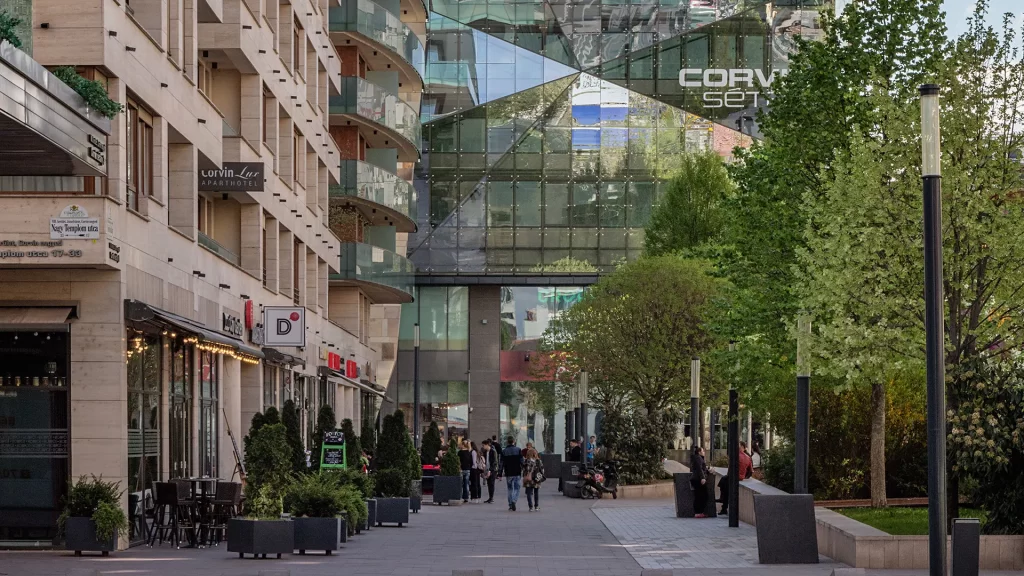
<point>446,403</point>
<point>144,365</point>
<point>443,314</point>
<point>209,413</point>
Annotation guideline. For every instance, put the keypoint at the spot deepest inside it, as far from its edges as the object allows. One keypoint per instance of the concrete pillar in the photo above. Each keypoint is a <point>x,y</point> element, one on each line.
<point>251,104</point>
<point>182,193</point>
<point>231,415</point>
<point>251,398</point>
<point>300,260</point>
<point>286,261</point>
<point>251,239</point>
<point>312,278</point>
<point>484,349</point>
<point>272,252</point>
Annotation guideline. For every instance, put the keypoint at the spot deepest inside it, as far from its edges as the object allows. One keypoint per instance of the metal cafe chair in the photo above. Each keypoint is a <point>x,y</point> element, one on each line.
<point>224,507</point>
<point>165,524</point>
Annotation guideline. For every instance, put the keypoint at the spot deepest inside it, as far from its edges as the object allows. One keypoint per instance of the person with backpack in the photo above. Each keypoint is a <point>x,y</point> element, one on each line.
<point>533,477</point>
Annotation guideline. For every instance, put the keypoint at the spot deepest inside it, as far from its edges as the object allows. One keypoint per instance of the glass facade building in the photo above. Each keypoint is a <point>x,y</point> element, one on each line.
<point>550,130</point>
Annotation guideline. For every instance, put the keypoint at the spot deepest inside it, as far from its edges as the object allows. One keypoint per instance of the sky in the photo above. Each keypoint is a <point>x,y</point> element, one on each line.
<point>957,12</point>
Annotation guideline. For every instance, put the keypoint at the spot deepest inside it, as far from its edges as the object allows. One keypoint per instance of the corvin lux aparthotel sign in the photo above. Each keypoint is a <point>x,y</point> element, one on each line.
<point>233,177</point>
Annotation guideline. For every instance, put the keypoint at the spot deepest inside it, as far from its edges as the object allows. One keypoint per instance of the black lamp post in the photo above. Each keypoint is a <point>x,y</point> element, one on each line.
<point>803,407</point>
<point>931,173</point>
<point>416,385</point>
<point>734,451</point>
<point>695,401</point>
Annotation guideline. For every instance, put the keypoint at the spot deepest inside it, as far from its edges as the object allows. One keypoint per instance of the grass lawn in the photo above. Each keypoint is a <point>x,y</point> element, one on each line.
<point>901,521</point>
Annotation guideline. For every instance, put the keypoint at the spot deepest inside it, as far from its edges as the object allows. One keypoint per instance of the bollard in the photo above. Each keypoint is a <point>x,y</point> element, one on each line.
<point>966,546</point>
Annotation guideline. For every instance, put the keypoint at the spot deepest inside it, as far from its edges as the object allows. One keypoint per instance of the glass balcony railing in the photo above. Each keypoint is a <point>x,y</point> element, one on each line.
<point>364,263</point>
<point>449,73</point>
<point>372,20</point>
<point>367,100</point>
<point>215,247</point>
<point>366,181</point>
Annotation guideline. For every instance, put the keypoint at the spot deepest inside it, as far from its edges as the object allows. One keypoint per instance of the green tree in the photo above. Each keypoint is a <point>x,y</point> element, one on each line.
<point>691,213</point>
<point>391,451</point>
<point>325,422</point>
<point>353,445</point>
<point>450,465</point>
<point>268,462</point>
<point>8,29</point>
<point>290,419</point>
<point>431,444</point>
<point>368,434</point>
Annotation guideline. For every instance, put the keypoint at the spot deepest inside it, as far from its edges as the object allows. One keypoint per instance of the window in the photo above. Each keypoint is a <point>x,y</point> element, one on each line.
<point>205,212</point>
<point>206,78</point>
<point>209,381</point>
<point>143,416</point>
<point>139,147</point>
<point>180,410</point>
<point>264,251</point>
<point>295,272</point>
<point>295,156</point>
<point>269,386</point>
<point>296,52</point>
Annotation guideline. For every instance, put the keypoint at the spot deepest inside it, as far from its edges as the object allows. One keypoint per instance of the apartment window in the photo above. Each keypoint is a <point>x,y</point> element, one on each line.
<point>296,43</point>
<point>139,140</point>
<point>205,212</point>
<point>295,271</point>
<point>206,78</point>
<point>264,255</point>
<point>295,156</point>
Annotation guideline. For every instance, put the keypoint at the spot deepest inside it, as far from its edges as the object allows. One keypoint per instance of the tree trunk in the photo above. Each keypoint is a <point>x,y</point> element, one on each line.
<point>878,408</point>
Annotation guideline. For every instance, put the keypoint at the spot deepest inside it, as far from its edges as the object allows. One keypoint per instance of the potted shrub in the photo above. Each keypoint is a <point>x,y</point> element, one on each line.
<point>262,531</point>
<point>415,477</point>
<point>92,518</point>
<point>448,484</point>
<point>392,476</point>
<point>316,505</point>
<point>354,508</point>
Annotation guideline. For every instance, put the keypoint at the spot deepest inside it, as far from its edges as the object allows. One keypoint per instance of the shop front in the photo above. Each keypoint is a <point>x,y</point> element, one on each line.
<point>34,421</point>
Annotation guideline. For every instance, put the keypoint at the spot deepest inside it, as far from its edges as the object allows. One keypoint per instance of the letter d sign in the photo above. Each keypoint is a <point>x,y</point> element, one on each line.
<point>286,326</point>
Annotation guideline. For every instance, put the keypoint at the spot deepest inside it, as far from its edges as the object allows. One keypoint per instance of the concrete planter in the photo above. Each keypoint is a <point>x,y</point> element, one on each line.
<point>447,489</point>
<point>371,516</point>
<point>260,537</point>
<point>80,536</point>
<point>392,511</point>
<point>684,496</point>
<point>415,495</point>
<point>318,534</point>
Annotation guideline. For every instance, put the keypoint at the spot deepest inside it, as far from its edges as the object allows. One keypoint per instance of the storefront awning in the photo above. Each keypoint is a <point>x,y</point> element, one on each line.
<point>341,379</point>
<point>275,356</point>
<point>135,311</point>
<point>50,319</point>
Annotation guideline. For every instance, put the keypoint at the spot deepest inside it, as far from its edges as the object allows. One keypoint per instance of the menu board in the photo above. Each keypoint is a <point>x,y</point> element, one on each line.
<point>334,437</point>
<point>332,452</point>
<point>333,457</point>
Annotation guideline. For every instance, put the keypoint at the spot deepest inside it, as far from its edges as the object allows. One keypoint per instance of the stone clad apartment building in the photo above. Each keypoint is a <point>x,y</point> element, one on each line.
<point>262,162</point>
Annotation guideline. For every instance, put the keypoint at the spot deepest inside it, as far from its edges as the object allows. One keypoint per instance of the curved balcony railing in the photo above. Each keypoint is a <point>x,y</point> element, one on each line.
<point>367,100</point>
<point>376,185</point>
<point>372,20</point>
<point>386,277</point>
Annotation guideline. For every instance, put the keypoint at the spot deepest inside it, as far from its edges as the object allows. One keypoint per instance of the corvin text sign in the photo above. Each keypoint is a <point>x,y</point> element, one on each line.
<point>285,325</point>
<point>233,177</point>
<point>730,88</point>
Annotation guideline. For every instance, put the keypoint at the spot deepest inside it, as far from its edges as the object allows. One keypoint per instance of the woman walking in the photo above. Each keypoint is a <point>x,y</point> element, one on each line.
<point>698,482</point>
<point>474,474</point>
<point>466,464</point>
<point>533,477</point>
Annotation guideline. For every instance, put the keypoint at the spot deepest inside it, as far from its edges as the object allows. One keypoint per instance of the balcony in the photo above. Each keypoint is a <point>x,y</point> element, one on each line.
<point>384,276</point>
<point>381,36</point>
<point>215,247</point>
<point>388,121</point>
<point>383,198</point>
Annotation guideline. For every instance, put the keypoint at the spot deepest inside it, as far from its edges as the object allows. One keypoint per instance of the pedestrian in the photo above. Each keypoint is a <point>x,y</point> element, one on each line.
<point>492,459</point>
<point>533,477</point>
<point>474,474</point>
<point>746,470</point>
<point>574,450</point>
<point>746,463</point>
<point>591,450</point>
<point>466,463</point>
<point>698,482</point>
<point>512,470</point>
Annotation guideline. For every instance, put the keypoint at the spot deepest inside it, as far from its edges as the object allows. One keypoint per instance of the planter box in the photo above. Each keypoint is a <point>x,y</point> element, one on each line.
<point>447,489</point>
<point>684,496</point>
<point>371,516</point>
<point>260,537</point>
<point>81,537</point>
<point>392,511</point>
<point>416,496</point>
<point>318,534</point>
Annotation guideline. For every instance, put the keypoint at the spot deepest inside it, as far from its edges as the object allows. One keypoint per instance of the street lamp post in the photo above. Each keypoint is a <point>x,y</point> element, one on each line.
<point>931,173</point>
<point>803,407</point>
<point>734,450</point>
<point>416,385</point>
<point>583,417</point>
<point>695,401</point>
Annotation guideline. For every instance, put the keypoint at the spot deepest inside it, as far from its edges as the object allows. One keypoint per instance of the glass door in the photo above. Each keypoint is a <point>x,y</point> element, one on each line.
<point>180,412</point>
<point>209,408</point>
<point>143,426</point>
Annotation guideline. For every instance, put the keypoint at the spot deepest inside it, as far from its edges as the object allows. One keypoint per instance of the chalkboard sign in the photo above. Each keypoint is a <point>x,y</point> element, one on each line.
<point>332,452</point>
<point>333,457</point>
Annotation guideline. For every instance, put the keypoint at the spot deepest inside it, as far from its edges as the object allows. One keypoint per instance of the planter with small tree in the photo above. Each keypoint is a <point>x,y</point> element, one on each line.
<point>92,518</point>
<point>448,484</point>
<point>391,480</point>
<point>415,477</point>
<point>316,504</point>
<point>269,466</point>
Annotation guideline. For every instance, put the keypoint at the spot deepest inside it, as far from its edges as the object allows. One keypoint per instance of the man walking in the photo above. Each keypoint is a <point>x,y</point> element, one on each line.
<point>492,459</point>
<point>512,470</point>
